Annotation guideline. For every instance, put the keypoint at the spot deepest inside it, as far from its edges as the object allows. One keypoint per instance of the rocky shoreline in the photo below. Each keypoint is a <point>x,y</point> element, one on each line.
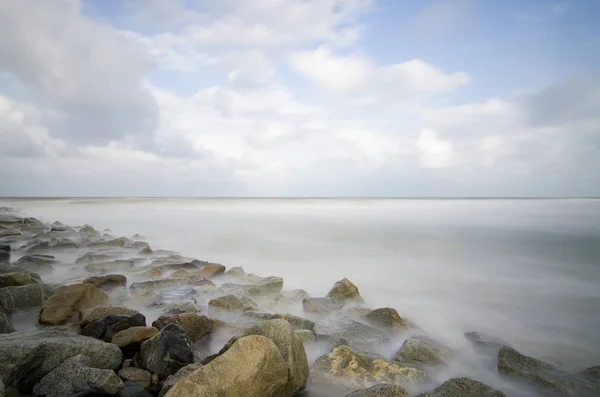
<point>86,313</point>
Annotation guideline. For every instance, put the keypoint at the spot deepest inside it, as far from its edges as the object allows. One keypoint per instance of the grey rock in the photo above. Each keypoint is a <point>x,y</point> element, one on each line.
<point>4,256</point>
<point>106,327</point>
<point>17,277</point>
<point>41,264</point>
<point>338,327</point>
<point>13,299</point>
<point>181,374</point>
<point>91,257</point>
<point>423,350</point>
<point>305,335</point>
<point>167,352</point>
<point>137,375</point>
<point>231,303</point>
<point>485,343</point>
<point>5,247</point>
<point>255,286</point>
<point>380,390</point>
<point>463,387</point>
<point>132,389</point>
<point>25,358</point>
<point>5,325</point>
<point>322,305</point>
<point>295,321</point>
<point>236,272</point>
<point>107,281</point>
<point>78,375</point>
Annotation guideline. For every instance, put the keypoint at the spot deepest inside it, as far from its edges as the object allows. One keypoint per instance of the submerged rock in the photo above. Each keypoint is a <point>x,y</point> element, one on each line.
<point>13,299</point>
<point>88,230</point>
<point>252,367</point>
<point>344,290</point>
<point>108,281</point>
<point>321,305</point>
<point>231,303</point>
<point>380,390</point>
<point>106,327</point>
<point>423,350</point>
<point>236,272</point>
<point>196,326</point>
<point>295,321</point>
<point>344,367</point>
<point>463,387</point>
<point>25,358</point>
<point>257,286</point>
<point>485,343</point>
<point>339,327</point>
<point>91,257</point>
<point>157,285</point>
<point>386,318</point>
<point>167,352</point>
<point>76,375</point>
<point>37,263</point>
<point>118,265</point>
<point>68,300</point>
<point>211,271</point>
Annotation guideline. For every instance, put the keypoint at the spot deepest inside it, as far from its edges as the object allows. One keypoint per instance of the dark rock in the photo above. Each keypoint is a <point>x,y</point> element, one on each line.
<point>485,343</point>
<point>463,387</point>
<point>386,318</point>
<point>423,350</point>
<point>25,358</point>
<point>5,247</point>
<point>181,374</point>
<point>108,281</point>
<point>4,256</point>
<point>5,326</point>
<point>13,299</point>
<point>132,389</point>
<point>167,352</point>
<point>231,303</point>
<point>106,327</point>
<point>196,326</point>
<point>78,375</point>
<point>592,372</point>
<point>357,335</point>
<point>296,322</point>
<point>87,316</point>
<point>380,390</point>
<point>321,305</point>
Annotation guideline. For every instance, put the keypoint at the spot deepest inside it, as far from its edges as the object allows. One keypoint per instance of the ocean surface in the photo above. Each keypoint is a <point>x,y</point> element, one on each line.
<point>526,271</point>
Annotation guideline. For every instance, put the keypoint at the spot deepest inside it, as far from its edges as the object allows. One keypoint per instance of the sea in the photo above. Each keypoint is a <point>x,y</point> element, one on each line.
<point>523,270</point>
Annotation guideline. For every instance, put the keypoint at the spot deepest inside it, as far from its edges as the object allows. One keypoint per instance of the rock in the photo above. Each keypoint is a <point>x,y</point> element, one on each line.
<point>108,281</point>
<point>91,257</point>
<point>88,230</point>
<point>196,326</point>
<point>206,289</point>
<point>252,367</point>
<point>145,299</point>
<point>485,343</point>
<point>118,265</point>
<point>592,372</point>
<point>321,305</point>
<point>183,307</point>
<point>357,335</point>
<point>181,273</point>
<point>18,278</point>
<point>257,286</point>
<point>137,375</point>
<point>305,335</point>
<point>463,387</point>
<point>296,322</point>
<point>386,318</point>
<point>13,299</point>
<point>117,242</point>
<point>78,375</point>
<point>87,316</point>
<point>231,303</point>
<point>36,263</point>
<point>344,367</point>
<point>106,327</point>
<point>423,350</point>
<point>380,390</point>
<point>5,247</point>
<point>26,357</point>
<point>157,285</point>
<point>2,389</point>
<point>146,250</point>
<point>133,336</point>
<point>236,272</point>
<point>166,352</point>
<point>4,256</point>
<point>517,366</point>
<point>5,325</point>
<point>132,389</point>
<point>68,300</point>
<point>344,290</point>
<point>139,245</point>
<point>181,374</point>
<point>295,294</point>
<point>211,271</point>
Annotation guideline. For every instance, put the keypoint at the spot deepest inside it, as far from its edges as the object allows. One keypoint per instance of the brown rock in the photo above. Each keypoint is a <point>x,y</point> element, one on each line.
<point>211,271</point>
<point>386,318</point>
<point>108,281</point>
<point>346,291</point>
<point>133,335</point>
<point>137,375</point>
<point>196,326</point>
<point>87,316</point>
<point>68,300</point>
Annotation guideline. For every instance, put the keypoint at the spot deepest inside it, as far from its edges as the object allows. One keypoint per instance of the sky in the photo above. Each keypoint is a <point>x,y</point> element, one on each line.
<point>318,98</point>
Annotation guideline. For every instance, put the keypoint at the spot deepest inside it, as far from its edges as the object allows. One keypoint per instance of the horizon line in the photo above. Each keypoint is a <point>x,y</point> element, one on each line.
<point>309,197</point>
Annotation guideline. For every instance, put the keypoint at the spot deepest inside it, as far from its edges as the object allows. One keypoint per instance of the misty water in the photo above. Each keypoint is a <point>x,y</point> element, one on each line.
<point>526,271</point>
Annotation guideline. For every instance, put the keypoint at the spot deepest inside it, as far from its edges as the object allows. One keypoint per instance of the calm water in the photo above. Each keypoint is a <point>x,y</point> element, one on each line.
<point>527,271</point>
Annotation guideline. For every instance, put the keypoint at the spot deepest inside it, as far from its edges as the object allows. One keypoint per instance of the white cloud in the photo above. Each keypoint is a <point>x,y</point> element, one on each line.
<point>435,153</point>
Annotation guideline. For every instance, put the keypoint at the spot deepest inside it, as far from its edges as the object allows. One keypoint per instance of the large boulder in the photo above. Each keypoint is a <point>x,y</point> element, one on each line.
<point>295,321</point>
<point>87,316</point>
<point>78,375</point>
<point>196,326</point>
<point>181,374</point>
<point>423,350</point>
<point>69,300</point>
<point>25,358</point>
<point>13,299</point>
<point>107,281</point>
<point>338,327</point>
<point>41,264</point>
<point>347,368</point>
<point>252,367</point>
<point>344,290</point>
<point>231,303</point>
<point>133,336</point>
<point>106,327</point>
<point>18,278</point>
<point>321,305</point>
<point>380,390</point>
<point>463,387</point>
<point>547,377</point>
<point>386,318</point>
<point>167,352</point>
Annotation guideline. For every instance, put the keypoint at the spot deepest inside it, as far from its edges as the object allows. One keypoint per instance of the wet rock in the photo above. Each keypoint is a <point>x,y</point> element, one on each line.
<point>132,389</point>
<point>344,367</point>
<point>145,299</point>
<point>167,352</point>
<point>211,271</point>
<point>18,278</point>
<point>69,300</point>
<point>463,387</point>
<point>5,325</point>
<point>41,264</point>
<point>2,389</point>
<point>231,303</point>
<point>91,257</point>
<point>252,367</point>
<point>517,366</point>
<point>321,305</point>
<point>133,336</point>
<point>4,254</point>
<point>380,390</point>
<point>592,372</point>
<point>78,375</point>
<point>5,247</point>
<point>59,227</point>
<point>196,326</point>
<point>182,307</point>
<point>25,358</point>
<point>87,316</point>
<point>181,374</point>
<point>157,285</point>
<point>295,321</point>
<point>344,290</point>
<point>181,273</point>
<point>305,335</point>
<point>357,335</point>
<point>13,299</point>
<point>386,318</point>
<point>118,265</point>
<point>423,350</point>
<point>106,327</point>
<point>137,375</point>
<point>88,230</point>
<point>236,272</point>
<point>139,245</point>
<point>485,343</point>
<point>146,251</point>
<point>108,281</point>
<point>255,285</point>
<point>117,242</point>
